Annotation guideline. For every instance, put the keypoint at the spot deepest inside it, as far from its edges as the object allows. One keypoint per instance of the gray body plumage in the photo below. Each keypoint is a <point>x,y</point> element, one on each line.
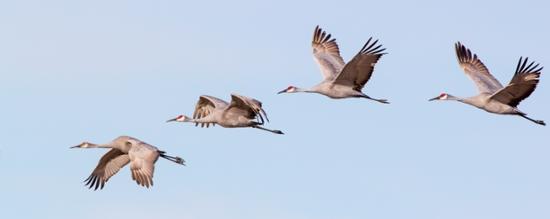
<point>483,101</point>
<point>335,91</point>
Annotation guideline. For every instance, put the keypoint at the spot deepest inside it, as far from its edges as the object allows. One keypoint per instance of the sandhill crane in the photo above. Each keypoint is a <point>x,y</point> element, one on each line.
<point>341,80</point>
<point>124,150</point>
<point>493,97</point>
<point>241,112</point>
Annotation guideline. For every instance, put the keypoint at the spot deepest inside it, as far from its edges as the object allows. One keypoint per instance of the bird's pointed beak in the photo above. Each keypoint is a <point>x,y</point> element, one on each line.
<point>171,120</point>
<point>435,98</point>
<point>76,146</point>
<point>283,91</point>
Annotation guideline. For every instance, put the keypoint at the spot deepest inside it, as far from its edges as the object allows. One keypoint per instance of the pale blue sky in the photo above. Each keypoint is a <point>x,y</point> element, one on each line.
<point>72,71</point>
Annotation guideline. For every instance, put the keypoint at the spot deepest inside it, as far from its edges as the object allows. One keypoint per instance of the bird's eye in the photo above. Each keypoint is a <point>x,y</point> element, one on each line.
<point>128,143</point>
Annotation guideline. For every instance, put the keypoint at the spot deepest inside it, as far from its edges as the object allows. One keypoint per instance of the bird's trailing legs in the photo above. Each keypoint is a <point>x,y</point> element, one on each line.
<point>384,101</point>
<point>177,160</point>
<point>540,122</point>
<point>269,130</point>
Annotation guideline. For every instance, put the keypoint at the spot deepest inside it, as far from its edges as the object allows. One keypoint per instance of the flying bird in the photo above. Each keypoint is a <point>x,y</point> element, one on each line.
<point>493,97</point>
<point>124,150</point>
<point>241,112</point>
<point>341,80</point>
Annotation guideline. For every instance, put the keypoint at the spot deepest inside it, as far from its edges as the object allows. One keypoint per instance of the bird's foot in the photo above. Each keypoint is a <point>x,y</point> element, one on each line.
<point>179,160</point>
<point>384,101</point>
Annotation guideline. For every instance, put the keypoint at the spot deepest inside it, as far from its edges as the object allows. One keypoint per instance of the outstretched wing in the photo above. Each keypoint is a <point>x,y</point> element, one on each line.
<point>476,70</point>
<point>359,70</point>
<point>249,107</point>
<point>326,53</point>
<point>205,106</point>
<point>523,83</point>
<point>108,166</point>
<point>143,157</point>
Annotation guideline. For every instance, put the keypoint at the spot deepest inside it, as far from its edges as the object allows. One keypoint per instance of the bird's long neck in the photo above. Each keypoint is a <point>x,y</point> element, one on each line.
<point>451,97</point>
<point>307,90</point>
<point>478,101</point>
<point>108,145</point>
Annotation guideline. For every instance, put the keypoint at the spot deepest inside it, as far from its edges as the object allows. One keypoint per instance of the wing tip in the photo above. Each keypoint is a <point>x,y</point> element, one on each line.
<point>523,68</point>
<point>464,54</point>
<point>369,48</point>
<point>320,36</point>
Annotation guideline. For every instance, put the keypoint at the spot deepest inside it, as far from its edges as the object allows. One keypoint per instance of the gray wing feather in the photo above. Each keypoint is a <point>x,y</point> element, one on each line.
<point>205,106</point>
<point>476,70</point>
<point>250,106</point>
<point>143,157</point>
<point>523,83</point>
<point>326,53</point>
<point>108,166</point>
<point>359,70</point>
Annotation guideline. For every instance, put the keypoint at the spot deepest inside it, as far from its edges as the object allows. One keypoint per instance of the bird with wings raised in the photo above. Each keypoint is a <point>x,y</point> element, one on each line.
<point>241,112</point>
<point>341,80</point>
<point>493,97</point>
<point>124,149</point>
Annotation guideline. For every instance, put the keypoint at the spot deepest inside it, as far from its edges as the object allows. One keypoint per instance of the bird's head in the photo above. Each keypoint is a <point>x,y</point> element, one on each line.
<point>83,145</point>
<point>180,118</point>
<point>289,89</point>
<point>442,96</point>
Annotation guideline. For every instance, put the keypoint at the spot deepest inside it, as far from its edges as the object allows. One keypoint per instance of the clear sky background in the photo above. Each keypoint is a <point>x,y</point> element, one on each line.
<point>72,71</point>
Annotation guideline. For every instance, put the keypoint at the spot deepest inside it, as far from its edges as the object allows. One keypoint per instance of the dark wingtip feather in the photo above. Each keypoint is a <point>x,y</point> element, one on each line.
<point>327,37</point>
<point>372,48</point>
<point>519,63</point>
<point>532,68</point>
<point>96,184</point>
